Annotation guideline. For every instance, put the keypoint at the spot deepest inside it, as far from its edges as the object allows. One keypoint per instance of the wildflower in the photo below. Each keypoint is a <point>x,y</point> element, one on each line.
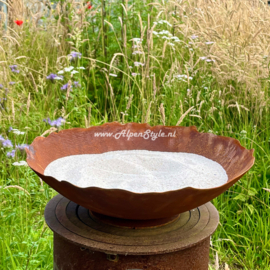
<point>10,128</point>
<point>194,37</point>
<point>11,154</point>
<point>53,77</point>
<point>17,132</point>
<point>11,83</point>
<point>203,58</point>
<point>65,86</point>
<point>76,84</point>
<point>176,39</point>
<point>188,90</point>
<point>209,42</point>
<point>137,64</point>
<point>135,74</point>
<point>60,72</point>
<point>1,86</point>
<point>57,123</point>
<point>88,5</point>
<point>7,143</point>
<point>112,74</point>
<point>137,52</point>
<point>68,69</point>
<point>210,60</point>
<point>20,163</point>
<point>180,77</point>
<point>19,22</point>
<point>22,147</point>
<point>74,72</point>
<point>80,67</point>
<point>75,55</point>
<point>137,40</point>
<point>163,21</point>
<point>14,68</point>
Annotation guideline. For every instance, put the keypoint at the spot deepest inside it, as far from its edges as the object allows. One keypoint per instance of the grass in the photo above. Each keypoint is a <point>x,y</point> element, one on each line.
<point>203,63</point>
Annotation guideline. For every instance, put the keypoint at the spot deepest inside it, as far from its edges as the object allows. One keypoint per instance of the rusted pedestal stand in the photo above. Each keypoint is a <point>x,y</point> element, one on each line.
<point>83,240</point>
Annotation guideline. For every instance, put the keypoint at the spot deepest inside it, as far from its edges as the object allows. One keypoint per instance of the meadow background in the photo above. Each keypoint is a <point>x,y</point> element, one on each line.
<point>193,62</point>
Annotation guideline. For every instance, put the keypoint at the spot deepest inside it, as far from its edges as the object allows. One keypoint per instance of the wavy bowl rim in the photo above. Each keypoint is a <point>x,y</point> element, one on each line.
<point>194,128</point>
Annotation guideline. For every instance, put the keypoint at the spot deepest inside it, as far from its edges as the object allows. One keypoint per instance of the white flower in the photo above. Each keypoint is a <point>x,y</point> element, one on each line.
<point>169,43</point>
<point>203,58</point>
<point>74,72</point>
<point>20,163</point>
<point>209,42</point>
<point>163,21</point>
<point>80,67</point>
<point>60,72</point>
<point>138,40</point>
<point>68,69</point>
<point>137,52</point>
<point>17,132</point>
<point>58,78</point>
<point>137,64</point>
<point>113,75</point>
<point>135,74</point>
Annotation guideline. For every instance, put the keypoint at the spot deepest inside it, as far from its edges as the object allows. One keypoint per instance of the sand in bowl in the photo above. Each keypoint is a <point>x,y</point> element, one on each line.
<point>139,171</point>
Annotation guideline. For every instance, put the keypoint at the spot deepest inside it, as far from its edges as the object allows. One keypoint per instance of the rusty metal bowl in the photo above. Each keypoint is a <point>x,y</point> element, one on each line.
<point>235,159</point>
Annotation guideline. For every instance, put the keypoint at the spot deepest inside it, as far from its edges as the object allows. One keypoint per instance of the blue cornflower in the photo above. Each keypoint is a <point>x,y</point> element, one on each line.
<point>57,123</point>
<point>22,147</point>
<point>75,55</point>
<point>53,77</point>
<point>65,86</point>
<point>76,84</point>
<point>10,129</point>
<point>11,83</point>
<point>11,154</point>
<point>14,68</point>
<point>7,143</point>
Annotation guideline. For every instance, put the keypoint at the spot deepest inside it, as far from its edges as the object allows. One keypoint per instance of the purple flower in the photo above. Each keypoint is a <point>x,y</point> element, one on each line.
<point>22,147</point>
<point>10,128</point>
<point>65,86</point>
<point>7,143</point>
<point>14,68</point>
<point>76,84</point>
<point>1,86</point>
<point>75,55</point>
<point>11,154</point>
<point>57,123</point>
<point>11,83</point>
<point>53,77</point>
<point>1,138</point>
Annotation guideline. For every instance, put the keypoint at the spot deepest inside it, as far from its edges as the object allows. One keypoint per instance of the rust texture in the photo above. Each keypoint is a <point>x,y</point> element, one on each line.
<point>228,152</point>
<point>67,256</point>
<point>81,242</point>
<point>73,223</point>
